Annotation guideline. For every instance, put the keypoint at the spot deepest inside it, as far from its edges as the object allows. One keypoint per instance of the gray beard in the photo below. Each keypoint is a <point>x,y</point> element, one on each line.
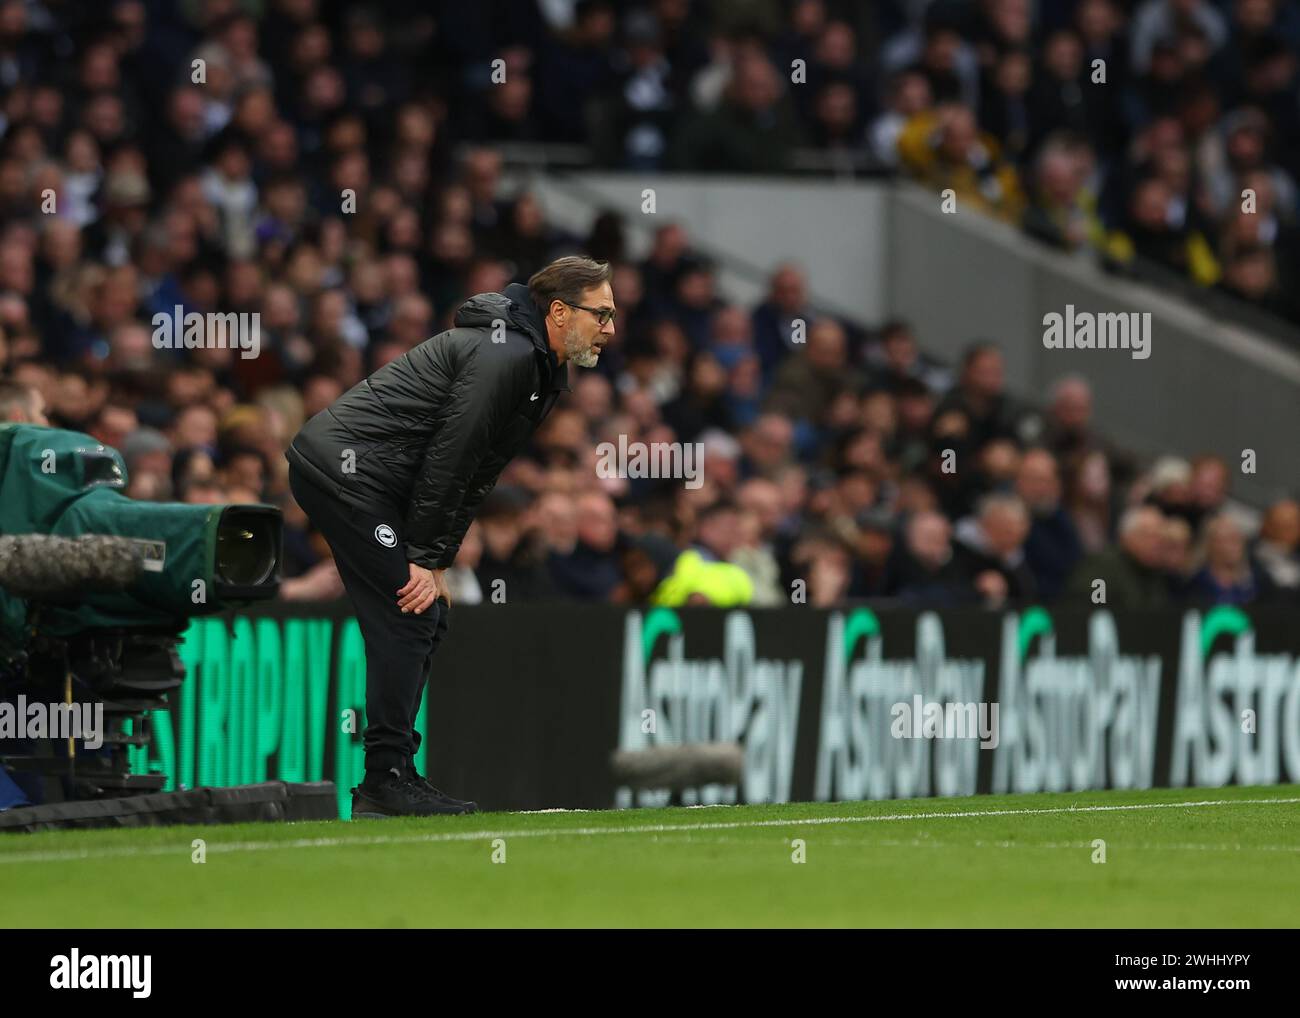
<point>584,357</point>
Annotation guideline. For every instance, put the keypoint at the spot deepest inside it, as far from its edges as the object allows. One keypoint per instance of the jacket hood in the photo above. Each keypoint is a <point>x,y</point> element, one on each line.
<point>514,306</point>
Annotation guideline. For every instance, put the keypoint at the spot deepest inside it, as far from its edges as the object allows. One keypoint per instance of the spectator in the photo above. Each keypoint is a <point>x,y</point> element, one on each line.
<point>761,543</point>
<point>590,572</point>
<point>1062,211</point>
<point>1227,576</point>
<point>1127,577</point>
<point>703,403</point>
<point>825,566</point>
<point>510,567</point>
<point>980,396</point>
<point>896,360</point>
<point>782,315</point>
<point>808,382</point>
<point>1052,549</point>
<point>1069,418</point>
<point>753,131</point>
<point>909,96</point>
<point>656,572</point>
<point>1152,233</point>
<point>946,150</point>
<point>991,550</point>
<point>21,404</point>
<point>640,120</point>
<point>1160,19</point>
<point>1276,552</point>
<point>927,571</point>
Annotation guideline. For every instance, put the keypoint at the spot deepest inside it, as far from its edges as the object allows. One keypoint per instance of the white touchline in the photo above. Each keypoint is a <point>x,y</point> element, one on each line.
<point>1020,845</point>
<point>415,839</point>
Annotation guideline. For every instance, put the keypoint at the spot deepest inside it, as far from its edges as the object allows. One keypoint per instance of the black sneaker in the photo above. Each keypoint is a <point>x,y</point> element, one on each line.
<point>465,806</point>
<point>401,796</point>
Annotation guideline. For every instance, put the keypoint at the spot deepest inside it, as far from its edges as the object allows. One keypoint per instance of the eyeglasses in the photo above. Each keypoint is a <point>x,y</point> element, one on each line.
<point>603,315</point>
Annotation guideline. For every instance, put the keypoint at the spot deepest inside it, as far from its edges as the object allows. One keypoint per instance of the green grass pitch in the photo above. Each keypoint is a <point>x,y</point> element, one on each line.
<point>1181,858</point>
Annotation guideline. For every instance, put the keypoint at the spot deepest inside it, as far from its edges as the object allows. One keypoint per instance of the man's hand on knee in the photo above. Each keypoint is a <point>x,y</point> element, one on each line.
<point>421,590</point>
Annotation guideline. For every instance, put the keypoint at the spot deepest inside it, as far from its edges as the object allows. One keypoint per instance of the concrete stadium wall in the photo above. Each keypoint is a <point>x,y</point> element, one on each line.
<point>750,226</point>
<point>1208,386</point>
<point>874,250</point>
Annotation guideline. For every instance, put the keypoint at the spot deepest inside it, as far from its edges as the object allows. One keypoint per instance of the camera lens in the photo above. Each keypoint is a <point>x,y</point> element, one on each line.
<point>248,548</point>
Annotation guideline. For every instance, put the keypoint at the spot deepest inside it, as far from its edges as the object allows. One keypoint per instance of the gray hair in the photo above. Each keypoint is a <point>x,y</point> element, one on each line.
<point>1133,517</point>
<point>990,503</point>
<point>567,279</point>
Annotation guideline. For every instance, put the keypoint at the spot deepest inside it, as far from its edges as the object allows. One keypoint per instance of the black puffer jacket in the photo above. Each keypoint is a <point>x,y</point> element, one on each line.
<point>427,435</point>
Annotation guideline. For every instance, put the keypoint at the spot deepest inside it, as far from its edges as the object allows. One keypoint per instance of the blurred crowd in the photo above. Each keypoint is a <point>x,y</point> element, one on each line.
<point>840,462</point>
<point>1163,136</point>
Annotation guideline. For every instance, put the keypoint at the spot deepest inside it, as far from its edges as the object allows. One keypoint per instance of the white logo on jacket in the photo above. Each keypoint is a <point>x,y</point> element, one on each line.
<point>385,536</point>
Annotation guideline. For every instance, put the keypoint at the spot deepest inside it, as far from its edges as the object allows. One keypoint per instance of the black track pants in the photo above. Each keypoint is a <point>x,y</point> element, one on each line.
<point>368,551</point>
